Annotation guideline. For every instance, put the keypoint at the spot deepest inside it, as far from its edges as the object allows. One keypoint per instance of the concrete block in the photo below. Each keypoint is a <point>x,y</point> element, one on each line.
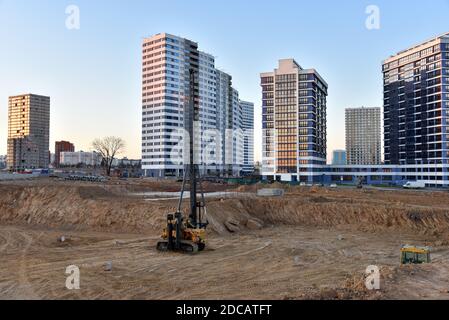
<point>270,193</point>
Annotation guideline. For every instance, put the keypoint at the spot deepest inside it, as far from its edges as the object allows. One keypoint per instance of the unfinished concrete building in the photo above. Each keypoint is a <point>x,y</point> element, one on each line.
<point>28,132</point>
<point>363,136</point>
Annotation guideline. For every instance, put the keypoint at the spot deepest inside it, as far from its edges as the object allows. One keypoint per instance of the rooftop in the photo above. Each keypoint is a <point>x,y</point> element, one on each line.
<point>416,47</point>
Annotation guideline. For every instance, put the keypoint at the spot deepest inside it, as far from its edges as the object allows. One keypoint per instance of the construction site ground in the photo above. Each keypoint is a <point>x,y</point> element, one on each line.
<point>312,243</point>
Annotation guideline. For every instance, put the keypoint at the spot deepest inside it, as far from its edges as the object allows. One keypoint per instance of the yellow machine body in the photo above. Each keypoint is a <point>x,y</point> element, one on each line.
<point>415,255</point>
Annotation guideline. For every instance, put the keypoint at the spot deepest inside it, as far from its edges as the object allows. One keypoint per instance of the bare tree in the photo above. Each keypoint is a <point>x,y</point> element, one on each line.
<point>108,148</point>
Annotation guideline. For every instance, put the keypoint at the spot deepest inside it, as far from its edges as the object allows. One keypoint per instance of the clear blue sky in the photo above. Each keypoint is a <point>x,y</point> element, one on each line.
<point>93,74</point>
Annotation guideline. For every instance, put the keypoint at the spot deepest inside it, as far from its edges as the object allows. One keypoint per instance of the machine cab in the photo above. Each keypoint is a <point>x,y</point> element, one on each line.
<point>415,255</point>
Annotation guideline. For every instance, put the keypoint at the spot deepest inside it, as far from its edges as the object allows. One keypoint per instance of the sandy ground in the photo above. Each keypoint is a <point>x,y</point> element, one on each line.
<point>305,259</point>
<point>277,263</point>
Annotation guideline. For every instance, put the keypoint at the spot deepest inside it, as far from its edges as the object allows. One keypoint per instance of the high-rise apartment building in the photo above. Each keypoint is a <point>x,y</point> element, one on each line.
<point>28,132</point>
<point>62,146</point>
<point>416,104</point>
<point>248,137</point>
<point>225,102</point>
<point>167,62</point>
<point>294,123</point>
<point>363,136</point>
<point>339,158</point>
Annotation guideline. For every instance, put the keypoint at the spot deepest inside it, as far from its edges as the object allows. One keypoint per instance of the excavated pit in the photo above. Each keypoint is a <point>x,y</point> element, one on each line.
<point>312,243</point>
<point>112,209</point>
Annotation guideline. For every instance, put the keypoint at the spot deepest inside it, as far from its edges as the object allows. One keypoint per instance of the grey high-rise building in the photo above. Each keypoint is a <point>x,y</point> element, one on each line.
<point>248,136</point>
<point>28,132</point>
<point>363,136</point>
<point>416,104</point>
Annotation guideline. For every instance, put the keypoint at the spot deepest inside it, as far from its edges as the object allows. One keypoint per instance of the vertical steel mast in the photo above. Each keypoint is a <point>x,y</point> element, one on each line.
<point>193,167</point>
<point>188,235</point>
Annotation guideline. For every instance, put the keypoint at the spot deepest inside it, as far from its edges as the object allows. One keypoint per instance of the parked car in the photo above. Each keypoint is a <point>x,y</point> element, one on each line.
<point>415,185</point>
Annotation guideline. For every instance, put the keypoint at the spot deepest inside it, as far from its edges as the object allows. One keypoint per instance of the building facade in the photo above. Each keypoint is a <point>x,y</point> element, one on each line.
<point>28,132</point>
<point>363,136</point>
<point>80,158</point>
<point>224,100</point>
<point>125,162</point>
<point>436,176</point>
<point>294,124</point>
<point>166,92</point>
<point>234,146</point>
<point>416,95</point>
<point>248,136</point>
<point>416,104</point>
<point>62,146</point>
<point>3,162</point>
<point>339,158</point>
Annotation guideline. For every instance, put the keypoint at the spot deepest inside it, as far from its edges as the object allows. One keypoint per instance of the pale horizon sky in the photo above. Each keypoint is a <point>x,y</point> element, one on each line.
<point>93,75</point>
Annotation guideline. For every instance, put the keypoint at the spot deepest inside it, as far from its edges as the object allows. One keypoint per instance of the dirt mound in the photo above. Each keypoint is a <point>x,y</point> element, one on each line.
<point>78,208</point>
<point>105,208</point>
<point>365,216</point>
<point>102,208</point>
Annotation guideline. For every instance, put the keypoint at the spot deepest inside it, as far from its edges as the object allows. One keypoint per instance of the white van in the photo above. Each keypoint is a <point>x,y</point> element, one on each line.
<point>415,185</point>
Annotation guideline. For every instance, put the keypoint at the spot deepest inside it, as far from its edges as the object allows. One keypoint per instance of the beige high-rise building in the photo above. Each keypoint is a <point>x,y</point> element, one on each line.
<point>28,132</point>
<point>294,123</point>
<point>363,136</point>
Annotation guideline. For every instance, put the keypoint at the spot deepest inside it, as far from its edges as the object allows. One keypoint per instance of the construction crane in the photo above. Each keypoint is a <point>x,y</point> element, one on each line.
<point>188,233</point>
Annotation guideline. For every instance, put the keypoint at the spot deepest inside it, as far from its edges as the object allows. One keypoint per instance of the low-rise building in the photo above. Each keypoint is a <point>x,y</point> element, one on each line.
<point>80,158</point>
<point>62,146</point>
